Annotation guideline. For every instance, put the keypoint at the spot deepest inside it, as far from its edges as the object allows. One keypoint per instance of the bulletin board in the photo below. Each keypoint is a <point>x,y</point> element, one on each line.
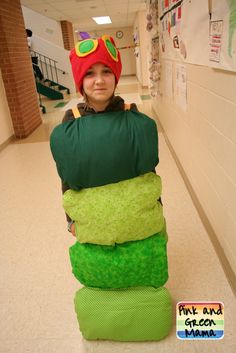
<point>184,28</point>
<point>199,32</point>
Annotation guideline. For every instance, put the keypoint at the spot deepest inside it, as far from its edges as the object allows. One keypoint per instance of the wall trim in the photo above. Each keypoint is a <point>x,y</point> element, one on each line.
<point>230,275</point>
<point>7,142</point>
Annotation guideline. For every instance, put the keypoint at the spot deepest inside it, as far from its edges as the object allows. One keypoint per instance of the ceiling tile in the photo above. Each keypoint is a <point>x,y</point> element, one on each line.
<point>81,11</point>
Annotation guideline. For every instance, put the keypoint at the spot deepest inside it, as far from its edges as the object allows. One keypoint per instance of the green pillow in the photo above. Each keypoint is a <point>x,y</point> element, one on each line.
<point>116,213</point>
<point>135,263</point>
<point>104,148</point>
<point>134,314</point>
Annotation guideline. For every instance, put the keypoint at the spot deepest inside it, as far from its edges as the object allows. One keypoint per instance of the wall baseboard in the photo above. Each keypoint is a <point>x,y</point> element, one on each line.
<point>231,276</point>
<point>7,142</point>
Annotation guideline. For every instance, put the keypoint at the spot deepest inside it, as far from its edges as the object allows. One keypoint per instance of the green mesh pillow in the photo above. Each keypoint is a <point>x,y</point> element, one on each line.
<point>116,213</point>
<point>134,314</point>
<point>136,263</point>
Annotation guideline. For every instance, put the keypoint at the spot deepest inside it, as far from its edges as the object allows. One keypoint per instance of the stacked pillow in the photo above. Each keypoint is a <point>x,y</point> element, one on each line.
<point>120,255</point>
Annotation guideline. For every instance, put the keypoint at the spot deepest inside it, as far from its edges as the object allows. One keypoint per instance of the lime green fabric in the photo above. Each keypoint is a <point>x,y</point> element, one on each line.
<point>131,264</point>
<point>134,314</point>
<point>104,148</point>
<point>116,213</point>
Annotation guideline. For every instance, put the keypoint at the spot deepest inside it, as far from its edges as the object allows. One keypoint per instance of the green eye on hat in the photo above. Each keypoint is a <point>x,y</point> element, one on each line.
<point>86,47</point>
<point>110,47</point>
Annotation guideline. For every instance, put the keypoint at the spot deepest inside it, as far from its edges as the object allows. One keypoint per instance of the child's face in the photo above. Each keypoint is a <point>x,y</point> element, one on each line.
<point>99,85</point>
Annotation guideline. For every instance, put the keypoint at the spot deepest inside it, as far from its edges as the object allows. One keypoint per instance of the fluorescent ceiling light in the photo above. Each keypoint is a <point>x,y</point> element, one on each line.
<point>102,20</point>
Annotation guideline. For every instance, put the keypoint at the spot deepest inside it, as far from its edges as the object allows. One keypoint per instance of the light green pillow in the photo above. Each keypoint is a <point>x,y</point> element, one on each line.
<point>134,314</point>
<point>116,213</point>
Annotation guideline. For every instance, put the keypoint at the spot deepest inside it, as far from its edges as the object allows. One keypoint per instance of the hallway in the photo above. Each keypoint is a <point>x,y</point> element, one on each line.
<point>36,284</point>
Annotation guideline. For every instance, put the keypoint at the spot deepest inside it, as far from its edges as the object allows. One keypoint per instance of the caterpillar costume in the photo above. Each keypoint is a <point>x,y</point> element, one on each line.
<point>108,161</point>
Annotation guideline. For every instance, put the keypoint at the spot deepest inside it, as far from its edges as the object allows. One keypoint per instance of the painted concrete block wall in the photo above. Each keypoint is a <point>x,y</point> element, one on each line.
<point>204,140</point>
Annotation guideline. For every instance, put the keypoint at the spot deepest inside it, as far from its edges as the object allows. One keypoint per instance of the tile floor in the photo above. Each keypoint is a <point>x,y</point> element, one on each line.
<point>36,284</point>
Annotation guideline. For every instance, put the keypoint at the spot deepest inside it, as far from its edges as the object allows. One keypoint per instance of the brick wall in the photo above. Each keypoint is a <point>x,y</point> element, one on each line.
<point>17,70</point>
<point>67,34</point>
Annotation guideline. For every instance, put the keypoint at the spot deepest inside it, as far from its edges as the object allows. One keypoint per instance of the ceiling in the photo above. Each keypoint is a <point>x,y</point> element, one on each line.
<point>80,12</point>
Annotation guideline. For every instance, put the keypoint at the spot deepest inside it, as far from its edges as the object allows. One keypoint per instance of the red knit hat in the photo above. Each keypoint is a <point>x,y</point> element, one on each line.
<point>93,51</point>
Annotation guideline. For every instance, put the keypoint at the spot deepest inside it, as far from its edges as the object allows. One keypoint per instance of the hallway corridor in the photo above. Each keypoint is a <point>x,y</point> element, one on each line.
<point>36,284</point>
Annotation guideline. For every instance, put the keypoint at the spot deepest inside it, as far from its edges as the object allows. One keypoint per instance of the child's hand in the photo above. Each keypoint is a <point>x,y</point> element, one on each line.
<point>72,229</point>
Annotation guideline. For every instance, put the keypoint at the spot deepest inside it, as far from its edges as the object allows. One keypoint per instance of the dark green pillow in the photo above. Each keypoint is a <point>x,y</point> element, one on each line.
<point>104,148</point>
<point>134,263</point>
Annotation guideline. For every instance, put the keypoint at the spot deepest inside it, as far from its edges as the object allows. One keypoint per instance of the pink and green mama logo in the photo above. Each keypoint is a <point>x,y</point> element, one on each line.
<point>200,320</point>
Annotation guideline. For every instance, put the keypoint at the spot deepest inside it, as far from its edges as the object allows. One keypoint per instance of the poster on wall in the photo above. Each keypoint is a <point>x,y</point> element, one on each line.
<point>184,30</point>
<point>222,48</point>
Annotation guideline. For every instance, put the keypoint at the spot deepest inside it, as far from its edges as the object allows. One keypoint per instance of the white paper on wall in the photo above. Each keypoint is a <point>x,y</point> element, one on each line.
<point>216,32</point>
<point>222,48</point>
<point>181,86</point>
<point>184,30</point>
